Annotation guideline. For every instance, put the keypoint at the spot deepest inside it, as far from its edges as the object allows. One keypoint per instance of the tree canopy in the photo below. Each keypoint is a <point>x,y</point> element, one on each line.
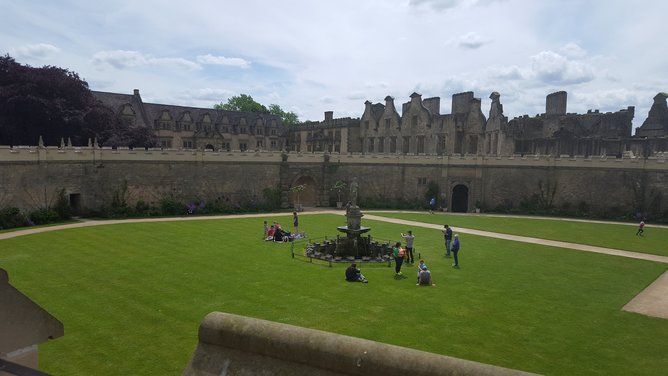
<point>56,104</point>
<point>246,103</point>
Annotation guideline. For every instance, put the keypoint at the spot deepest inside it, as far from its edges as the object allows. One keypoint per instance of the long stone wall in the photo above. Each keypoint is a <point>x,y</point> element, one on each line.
<point>30,177</point>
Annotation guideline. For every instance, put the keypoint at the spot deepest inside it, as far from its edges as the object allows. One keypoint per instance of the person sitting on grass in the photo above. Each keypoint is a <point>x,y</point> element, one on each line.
<point>423,275</point>
<point>270,233</point>
<point>354,275</point>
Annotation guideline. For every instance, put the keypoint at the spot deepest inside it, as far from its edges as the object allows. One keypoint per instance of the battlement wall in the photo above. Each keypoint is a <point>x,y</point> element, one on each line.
<point>91,176</point>
<point>98,155</point>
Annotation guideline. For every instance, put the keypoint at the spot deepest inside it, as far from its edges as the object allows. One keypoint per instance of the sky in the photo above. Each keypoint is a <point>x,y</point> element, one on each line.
<point>315,56</point>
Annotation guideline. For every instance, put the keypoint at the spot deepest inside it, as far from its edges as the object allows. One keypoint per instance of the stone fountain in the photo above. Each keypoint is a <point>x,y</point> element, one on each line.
<point>352,246</point>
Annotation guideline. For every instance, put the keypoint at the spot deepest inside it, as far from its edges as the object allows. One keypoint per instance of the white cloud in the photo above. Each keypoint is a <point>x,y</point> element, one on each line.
<point>552,68</point>
<point>489,2</point>
<point>296,53</point>
<point>572,50</point>
<point>608,100</point>
<point>471,41</point>
<point>438,5</point>
<point>120,59</point>
<point>356,95</point>
<point>222,60</point>
<point>36,51</point>
<point>512,72</point>
<point>207,94</point>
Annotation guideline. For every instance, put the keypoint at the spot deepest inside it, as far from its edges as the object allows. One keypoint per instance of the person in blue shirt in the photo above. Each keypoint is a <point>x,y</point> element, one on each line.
<point>432,204</point>
<point>455,250</point>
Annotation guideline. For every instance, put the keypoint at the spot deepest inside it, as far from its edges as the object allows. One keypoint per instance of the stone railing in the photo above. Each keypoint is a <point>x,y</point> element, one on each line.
<point>238,345</point>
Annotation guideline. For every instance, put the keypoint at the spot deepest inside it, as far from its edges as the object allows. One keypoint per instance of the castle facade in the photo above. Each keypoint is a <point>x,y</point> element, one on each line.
<point>419,129</point>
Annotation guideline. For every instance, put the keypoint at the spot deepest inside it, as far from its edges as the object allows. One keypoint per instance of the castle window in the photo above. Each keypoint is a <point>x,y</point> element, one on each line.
<point>370,145</point>
<point>440,148</point>
<point>387,124</point>
<point>242,129</point>
<point>393,144</point>
<point>273,131</point>
<point>381,145</point>
<point>406,145</point>
<point>422,181</point>
<point>420,144</point>
<point>187,144</point>
<point>243,146</point>
<point>186,127</point>
<point>366,124</point>
<point>414,121</point>
<point>258,144</point>
<point>226,146</point>
<point>273,144</point>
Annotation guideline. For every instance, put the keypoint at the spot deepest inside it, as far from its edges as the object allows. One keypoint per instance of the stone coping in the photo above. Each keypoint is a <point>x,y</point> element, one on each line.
<point>236,345</point>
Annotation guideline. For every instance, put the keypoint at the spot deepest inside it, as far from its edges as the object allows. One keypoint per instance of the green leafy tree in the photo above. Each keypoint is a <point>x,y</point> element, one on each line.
<point>242,102</point>
<point>297,189</point>
<point>288,118</point>
<point>246,103</point>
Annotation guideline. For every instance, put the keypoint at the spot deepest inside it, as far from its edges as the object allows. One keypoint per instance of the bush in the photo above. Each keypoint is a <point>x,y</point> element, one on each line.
<point>272,198</point>
<point>142,208</point>
<point>44,216</point>
<point>62,206</point>
<point>169,206</point>
<point>12,217</point>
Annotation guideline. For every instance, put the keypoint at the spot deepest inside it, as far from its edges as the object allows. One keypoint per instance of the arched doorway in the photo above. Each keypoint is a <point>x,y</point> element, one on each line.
<point>460,198</point>
<point>307,197</point>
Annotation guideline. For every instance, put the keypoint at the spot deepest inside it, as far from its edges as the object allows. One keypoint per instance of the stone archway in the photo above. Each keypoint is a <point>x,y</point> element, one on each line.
<point>308,197</point>
<point>460,198</point>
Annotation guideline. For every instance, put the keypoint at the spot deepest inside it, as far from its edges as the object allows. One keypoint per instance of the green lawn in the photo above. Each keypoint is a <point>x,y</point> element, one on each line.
<point>618,236</point>
<point>131,297</point>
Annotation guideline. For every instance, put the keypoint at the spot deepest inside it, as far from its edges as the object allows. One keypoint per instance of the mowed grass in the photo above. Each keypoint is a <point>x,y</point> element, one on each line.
<point>609,235</point>
<point>131,297</point>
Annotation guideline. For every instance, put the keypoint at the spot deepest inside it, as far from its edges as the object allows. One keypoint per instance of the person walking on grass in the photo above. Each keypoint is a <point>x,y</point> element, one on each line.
<point>295,222</point>
<point>455,251</point>
<point>447,235</point>
<point>399,254</point>
<point>641,228</point>
<point>409,238</point>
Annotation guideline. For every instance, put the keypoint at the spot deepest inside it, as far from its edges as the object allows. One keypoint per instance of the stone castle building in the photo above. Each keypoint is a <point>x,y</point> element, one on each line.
<point>419,129</point>
<point>178,127</point>
<point>568,161</point>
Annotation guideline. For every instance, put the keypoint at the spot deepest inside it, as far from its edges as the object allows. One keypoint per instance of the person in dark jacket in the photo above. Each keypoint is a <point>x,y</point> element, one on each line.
<point>355,275</point>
